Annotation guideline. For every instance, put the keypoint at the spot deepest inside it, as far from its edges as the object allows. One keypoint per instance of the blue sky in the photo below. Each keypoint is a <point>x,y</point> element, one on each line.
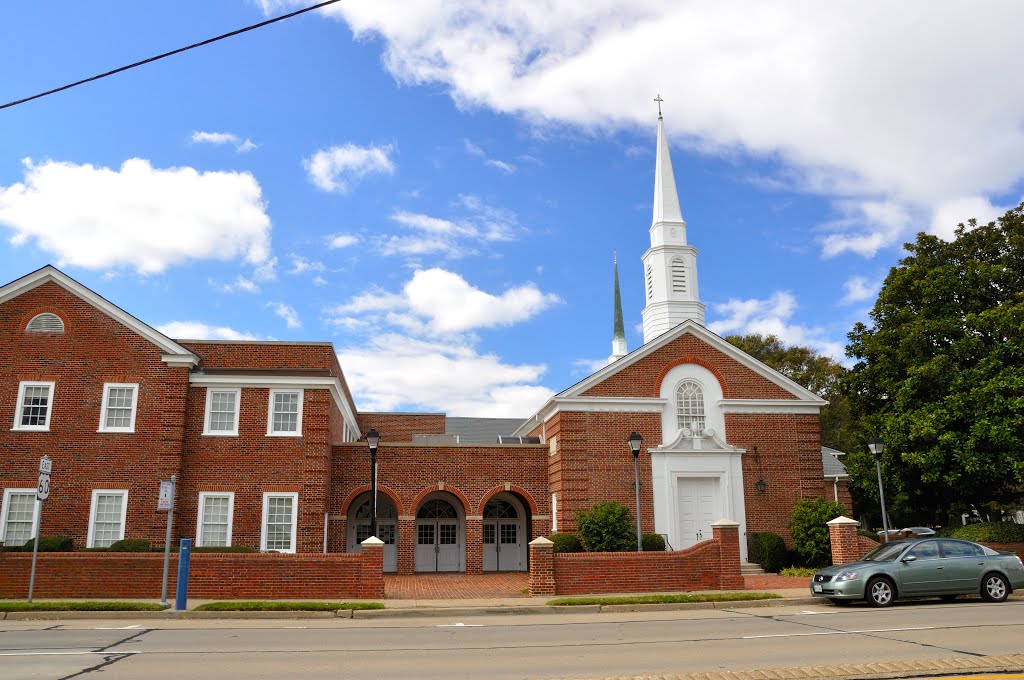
<point>438,188</point>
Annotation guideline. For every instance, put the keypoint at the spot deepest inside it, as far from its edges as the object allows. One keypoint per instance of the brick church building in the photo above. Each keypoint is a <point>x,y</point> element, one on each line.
<point>268,445</point>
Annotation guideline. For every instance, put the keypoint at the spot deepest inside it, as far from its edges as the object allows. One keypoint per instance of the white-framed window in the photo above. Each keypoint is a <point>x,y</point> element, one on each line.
<point>18,516</point>
<point>690,406</point>
<point>117,414</point>
<point>35,404</point>
<point>106,517</point>
<point>284,417</point>
<point>280,514</point>
<point>216,511</point>
<point>222,406</point>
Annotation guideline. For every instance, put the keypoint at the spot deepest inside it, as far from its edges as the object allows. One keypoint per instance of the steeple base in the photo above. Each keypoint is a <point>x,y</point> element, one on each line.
<point>660,317</point>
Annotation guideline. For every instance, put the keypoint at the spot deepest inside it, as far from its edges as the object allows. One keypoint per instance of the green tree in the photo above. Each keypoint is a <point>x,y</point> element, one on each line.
<point>809,529</point>
<point>939,374</point>
<point>607,527</point>
<point>820,374</point>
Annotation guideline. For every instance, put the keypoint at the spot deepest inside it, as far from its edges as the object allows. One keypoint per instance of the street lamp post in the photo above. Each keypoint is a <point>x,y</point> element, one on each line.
<point>876,446</point>
<point>635,440</point>
<point>373,440</point>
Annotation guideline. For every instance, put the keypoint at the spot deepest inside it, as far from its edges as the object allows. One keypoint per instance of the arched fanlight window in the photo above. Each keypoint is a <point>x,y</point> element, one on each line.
<point>690,406</point>
<point>499,509</point>
<point>46,322</point>
<point>385,509</point>
<point>437,509</point>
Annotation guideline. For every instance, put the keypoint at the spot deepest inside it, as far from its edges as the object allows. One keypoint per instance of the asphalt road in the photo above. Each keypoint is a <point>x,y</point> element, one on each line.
<point>512,647</point>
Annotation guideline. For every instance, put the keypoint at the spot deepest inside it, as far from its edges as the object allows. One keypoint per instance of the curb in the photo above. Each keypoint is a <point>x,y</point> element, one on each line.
<point>433,612</point>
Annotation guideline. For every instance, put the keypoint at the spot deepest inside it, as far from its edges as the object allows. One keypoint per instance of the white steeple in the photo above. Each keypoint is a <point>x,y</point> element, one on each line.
<point>670,265</point>
<point>619,348</point>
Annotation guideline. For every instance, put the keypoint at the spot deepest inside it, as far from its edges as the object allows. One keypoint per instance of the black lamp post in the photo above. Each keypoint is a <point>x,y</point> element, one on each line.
<point>372,440</point>
<point>876,446</point>
<point>635,440</point>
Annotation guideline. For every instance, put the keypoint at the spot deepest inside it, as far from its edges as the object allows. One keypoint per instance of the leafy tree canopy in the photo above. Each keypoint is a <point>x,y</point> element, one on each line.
<point>820,374</point>
<point>939,374</point>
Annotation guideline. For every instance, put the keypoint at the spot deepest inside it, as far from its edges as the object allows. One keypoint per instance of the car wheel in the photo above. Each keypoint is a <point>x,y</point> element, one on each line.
<point>948,598</point>
<point>839,602</point>
<point>880,592</point>
<point>994,588</point>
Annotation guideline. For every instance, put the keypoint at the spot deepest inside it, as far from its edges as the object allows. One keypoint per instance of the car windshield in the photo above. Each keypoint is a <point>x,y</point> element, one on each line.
<point>887,552</point>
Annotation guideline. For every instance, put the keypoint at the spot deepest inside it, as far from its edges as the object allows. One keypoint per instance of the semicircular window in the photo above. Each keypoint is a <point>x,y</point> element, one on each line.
<point>385,509</point>
<point>437,509</point>
<point>46,322</point>
<point>498,509</point>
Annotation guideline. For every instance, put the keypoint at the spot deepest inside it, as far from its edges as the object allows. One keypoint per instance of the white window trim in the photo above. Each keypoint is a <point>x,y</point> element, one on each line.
<point>20,405</point>
<point>92,513</point>
<point>103,407</point>
<point>295,517</point>
<point>270,415</point>
<point>209,402</point>
<point>231,513</point>
<point>7,506</point>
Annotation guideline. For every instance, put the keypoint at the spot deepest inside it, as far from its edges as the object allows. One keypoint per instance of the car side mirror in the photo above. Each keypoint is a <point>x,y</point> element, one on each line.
<point>909,558</point>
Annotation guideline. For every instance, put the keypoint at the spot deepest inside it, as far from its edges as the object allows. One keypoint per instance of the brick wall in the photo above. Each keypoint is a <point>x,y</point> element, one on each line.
<point>696,568</point>
<point>212,576</point>
<point>400,427</point>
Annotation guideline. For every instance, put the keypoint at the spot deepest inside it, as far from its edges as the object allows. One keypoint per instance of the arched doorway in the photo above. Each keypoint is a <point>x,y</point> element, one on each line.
<point>504,534</point>
<point>387,527</point>
<point>440,535</point>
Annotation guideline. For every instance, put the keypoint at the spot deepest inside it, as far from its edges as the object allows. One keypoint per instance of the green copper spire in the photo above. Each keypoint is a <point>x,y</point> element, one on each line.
<point>619,336</point>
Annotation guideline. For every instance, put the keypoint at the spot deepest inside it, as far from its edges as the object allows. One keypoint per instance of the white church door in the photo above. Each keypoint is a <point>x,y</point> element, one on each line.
<point>387,528</point>
<point>503,534</point>
<point>439,544</point>
<point>698,508</point>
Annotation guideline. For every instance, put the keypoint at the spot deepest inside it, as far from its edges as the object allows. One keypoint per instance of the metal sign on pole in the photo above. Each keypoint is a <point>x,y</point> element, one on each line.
<point>42,493</point>
<point>166,503</point>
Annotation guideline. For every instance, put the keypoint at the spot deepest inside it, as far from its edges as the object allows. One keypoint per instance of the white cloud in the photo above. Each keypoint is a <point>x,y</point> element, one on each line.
<point>336,168</point>
<point>947,215</point>
<point>507,168</point>
<point>342,241</point>
<point>137,216</point>
<point>319,280</point>
<point>240,284</point>
<point>454,238</point>
<point>584,367</point>
<point>859,289</point>
<point>286,312</point>
<point>866,227</point>
<point>472,149</point>
<point>301,265</point>
<point>772,316</point>
<point>908,121</point>
<point>197,330</point>
<point>221,138</point>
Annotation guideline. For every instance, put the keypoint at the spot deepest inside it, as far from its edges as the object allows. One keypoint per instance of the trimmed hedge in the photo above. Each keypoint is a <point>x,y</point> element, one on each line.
<point>566,543</point>
<point>48,544</point>
<point>607,527</point>
<point>990,532</point>
<point>130,545</point>
<point>769,550</point>
<point>653,543</point>
<point>220,549</point>
<point>867,533</point>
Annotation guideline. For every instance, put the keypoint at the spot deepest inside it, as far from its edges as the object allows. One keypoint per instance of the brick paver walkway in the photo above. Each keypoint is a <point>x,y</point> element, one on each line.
<point>775,582</point>
<point>455,586</point>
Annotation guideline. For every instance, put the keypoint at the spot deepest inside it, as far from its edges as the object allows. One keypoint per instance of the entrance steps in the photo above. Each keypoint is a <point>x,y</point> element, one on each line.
<point>751,569</point>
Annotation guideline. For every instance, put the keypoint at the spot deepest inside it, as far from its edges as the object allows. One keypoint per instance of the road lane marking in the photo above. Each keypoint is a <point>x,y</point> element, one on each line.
<point>460,625</point>
<point>837,632</point>
<point>120,627</point>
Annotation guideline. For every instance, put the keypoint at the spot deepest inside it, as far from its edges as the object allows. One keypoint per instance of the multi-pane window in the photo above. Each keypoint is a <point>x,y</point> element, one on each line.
<point>119,400</point>
<point>214,519</point>
<point>19,516</point>
<point>690,406</point>
<point>106,518</point>
<point>285,416</point>
<point>279,515</point>
<point>222,411</point>
<point>35,403</point>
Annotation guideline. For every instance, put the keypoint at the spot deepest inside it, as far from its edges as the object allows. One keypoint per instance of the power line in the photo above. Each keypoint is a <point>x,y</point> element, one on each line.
<point>171,53</point>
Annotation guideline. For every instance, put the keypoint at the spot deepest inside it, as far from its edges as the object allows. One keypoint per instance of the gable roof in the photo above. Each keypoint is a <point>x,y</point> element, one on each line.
<point>801,394</point>
<point>172,353</point>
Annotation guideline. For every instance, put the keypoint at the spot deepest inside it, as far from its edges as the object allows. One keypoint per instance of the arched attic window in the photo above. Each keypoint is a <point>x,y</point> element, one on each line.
<point>690,406</point>
<point>47,322</point>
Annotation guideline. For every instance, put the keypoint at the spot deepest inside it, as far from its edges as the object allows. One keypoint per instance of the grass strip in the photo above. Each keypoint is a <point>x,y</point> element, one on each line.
<point>80,606</point>
<point>663,599</point>
<point>283,606</point>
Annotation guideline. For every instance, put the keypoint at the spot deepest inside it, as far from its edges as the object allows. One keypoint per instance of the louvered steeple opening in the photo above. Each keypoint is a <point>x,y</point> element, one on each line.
<point>678,277</point>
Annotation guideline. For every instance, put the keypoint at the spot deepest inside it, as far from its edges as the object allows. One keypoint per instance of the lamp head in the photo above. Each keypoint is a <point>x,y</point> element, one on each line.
<point>876,446</point>
<point>634,441</point>
<point>372,439</point>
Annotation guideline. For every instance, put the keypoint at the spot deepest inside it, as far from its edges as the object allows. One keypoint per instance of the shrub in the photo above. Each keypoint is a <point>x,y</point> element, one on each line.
<point>607,527</point>
<point>769,550</point>
<point>566,543</point>
<point>867,533</point>
<point>653,542</point>
<point>130,545</point>
<point>49,544</point>
<point>808,527</point>
<point>990,532</point>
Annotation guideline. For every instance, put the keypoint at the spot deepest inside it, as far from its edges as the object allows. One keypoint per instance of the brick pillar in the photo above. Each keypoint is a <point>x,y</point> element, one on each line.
<point>727,535</point>
<point>406,544</point>
<point>542,567</point>
<point>371,585</point>
<point>474,544</point>
<point>842,532</point>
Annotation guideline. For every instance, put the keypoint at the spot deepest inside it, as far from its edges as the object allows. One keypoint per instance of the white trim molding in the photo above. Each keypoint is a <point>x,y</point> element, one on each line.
<point>771,406</point>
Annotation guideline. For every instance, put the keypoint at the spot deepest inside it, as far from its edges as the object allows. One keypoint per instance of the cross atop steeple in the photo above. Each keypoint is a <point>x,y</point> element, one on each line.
<point>659,100</point>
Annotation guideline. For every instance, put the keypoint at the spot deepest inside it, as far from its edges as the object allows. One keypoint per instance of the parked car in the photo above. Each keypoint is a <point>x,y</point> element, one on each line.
<point>922,567</point>
<point>908,531</point>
